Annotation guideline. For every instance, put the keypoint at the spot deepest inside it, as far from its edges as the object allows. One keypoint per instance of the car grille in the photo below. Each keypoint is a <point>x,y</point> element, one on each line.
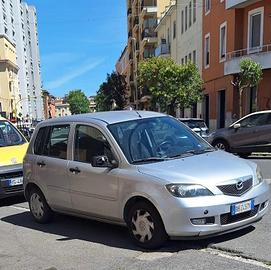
<point>13,189</point>
<point>232,190</point>
<point>11,175</point>
<point>228,218</point>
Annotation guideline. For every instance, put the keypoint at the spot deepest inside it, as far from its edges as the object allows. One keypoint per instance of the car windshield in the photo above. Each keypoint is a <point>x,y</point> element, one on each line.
<point>9,135</point>
<point>156,139</point>
<point>194,123</point>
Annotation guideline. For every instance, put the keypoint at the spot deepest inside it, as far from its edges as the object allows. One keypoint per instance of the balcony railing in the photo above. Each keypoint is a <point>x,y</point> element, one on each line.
<point>136,21</point>
<point>248,51</point>
<point>129,12</point>
<point>148,34</point>
<point>261,55</point>
<point>163,49</point>
<point>239,3</point>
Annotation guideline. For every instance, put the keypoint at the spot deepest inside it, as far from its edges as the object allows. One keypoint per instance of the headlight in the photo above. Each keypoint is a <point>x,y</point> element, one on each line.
<point>188,190</point>
<point>259,176</point>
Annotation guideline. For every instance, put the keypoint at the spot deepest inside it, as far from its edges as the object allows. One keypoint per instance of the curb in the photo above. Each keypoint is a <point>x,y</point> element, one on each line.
<point>268,181</point>
<point>261,155</point>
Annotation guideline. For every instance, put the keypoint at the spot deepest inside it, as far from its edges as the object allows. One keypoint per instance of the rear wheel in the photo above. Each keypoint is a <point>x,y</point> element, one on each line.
<point>145,226</point>
<point>39,208</point>
<point>221,145</point>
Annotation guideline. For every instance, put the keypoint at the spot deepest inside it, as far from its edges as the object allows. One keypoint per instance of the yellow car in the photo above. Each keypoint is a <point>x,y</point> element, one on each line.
<point>13,146</point>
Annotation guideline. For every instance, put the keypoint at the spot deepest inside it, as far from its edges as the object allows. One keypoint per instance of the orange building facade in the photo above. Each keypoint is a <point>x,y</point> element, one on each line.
<point>233,30</point>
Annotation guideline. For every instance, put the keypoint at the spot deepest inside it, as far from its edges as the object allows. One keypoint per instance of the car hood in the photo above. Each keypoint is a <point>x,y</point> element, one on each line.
<point>11,155</point>
<point>209,168</point>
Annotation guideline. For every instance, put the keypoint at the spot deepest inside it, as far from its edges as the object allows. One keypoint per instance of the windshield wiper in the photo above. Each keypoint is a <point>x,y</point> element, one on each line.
<point>192,152</point>
<point>150,159</point>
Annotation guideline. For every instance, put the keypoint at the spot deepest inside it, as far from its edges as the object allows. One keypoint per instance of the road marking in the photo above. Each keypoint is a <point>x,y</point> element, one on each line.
<point>236,257</point>
<point>151,256</point>
<point>20,208</point>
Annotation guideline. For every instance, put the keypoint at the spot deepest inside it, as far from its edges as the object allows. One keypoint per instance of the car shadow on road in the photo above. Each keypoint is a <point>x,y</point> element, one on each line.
<point>68,228</point>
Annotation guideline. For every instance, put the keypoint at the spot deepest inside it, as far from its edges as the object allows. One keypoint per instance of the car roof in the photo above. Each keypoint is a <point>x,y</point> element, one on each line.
<point>110,117</point>
<point>190,119</point>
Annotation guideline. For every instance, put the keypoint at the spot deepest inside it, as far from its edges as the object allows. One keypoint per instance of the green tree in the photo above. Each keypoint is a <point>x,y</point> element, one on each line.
<point>112,91</point>
<point>169,83</point>
<point>78,102</point>
<point>250,76</point>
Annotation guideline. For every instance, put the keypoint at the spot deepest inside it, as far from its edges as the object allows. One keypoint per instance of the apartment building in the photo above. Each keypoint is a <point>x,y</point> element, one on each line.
<point>232,30</point>
<point>9,87</point>
<point>18,22</point>
<point>179,33</point>
<point>92,104</point>
<point>62,108</point>
<point>49,107</point>
<point>167,32</point>
<point>142,18</point>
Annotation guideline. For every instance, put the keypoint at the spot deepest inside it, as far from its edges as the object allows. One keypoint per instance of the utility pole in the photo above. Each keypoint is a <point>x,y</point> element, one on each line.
<point>135,72</point>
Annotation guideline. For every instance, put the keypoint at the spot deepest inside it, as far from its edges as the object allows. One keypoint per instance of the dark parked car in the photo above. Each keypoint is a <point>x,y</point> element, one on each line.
<point>251,133</point>
<point>197,125</point>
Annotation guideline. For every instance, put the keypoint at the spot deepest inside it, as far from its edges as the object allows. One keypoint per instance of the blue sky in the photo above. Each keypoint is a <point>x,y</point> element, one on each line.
<point>80,42</point>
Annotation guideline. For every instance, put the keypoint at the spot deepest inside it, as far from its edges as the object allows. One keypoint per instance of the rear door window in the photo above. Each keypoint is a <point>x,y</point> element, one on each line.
<point>52,141</point>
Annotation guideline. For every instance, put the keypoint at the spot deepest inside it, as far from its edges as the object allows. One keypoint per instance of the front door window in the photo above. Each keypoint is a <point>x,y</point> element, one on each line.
<point>89,143</point>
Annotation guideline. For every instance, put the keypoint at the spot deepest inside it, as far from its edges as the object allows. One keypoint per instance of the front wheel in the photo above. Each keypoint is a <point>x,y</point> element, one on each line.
<point>145,226</point>
<point>39,208</point>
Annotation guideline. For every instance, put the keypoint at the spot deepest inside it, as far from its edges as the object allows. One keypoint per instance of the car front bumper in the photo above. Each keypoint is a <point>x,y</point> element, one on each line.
<point>179,212</point>
<point>8,174</point>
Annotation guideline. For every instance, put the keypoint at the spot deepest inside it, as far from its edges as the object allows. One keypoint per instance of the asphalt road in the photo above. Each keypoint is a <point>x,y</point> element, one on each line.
<point>74,243</point>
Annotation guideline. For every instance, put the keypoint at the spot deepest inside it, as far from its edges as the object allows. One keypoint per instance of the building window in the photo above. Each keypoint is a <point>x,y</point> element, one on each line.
<point>182,21</point>
<point>194,56</point>
<point>182,61</point>
<point>207,50</point>
<point>174,29</point>
<point>185,15</point>
<point>190,57</point>
<point>255,28</point>
<point>207,6</point>
<point>190,14</point>
<point>223,41</point>
<point>185,59</point>
<point>194,10</point>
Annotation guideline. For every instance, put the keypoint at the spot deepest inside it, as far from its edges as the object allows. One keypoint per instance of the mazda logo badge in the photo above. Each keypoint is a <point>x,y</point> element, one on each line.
<point>239,185</point>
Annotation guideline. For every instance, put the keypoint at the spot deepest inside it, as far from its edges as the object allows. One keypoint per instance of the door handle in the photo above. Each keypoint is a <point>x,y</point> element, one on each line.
<point>75,170</point>
<point>41,164</point>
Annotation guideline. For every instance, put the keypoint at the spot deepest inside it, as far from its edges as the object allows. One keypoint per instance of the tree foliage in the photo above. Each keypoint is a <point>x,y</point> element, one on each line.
<point>111,92</point>
<point>250,76</point>
<point>170,83</point>
<point>78,102</point>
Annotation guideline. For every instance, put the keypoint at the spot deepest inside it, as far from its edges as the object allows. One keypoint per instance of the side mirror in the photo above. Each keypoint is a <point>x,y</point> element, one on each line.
<point>103,162</point>
<point>237,126</point>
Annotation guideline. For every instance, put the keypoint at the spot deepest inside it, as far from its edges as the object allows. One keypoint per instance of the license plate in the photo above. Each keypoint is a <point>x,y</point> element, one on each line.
<point>15,181</point>
<point>242,207</point>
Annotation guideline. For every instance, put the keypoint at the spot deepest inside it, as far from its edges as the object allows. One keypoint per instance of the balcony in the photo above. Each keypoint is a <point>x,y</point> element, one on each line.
<point>261,55</point>
<point>149,36</point>
<point>148,7</point>
<point>239,3</point>
<point>163,50</point>
<point>148,53</point>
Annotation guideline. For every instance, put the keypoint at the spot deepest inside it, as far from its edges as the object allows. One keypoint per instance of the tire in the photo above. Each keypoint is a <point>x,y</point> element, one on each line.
<point>145,226</point>
<point>221,145</point>
<point>39,208</point>
<point>244,155</point>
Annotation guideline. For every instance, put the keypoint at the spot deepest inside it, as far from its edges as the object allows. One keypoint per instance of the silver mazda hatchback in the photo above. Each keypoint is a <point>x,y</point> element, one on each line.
<point>142,169</point>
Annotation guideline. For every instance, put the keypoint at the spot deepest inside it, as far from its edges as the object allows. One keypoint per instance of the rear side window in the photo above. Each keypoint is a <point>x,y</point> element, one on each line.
<point>53,142</point>
<point>40,140</point>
